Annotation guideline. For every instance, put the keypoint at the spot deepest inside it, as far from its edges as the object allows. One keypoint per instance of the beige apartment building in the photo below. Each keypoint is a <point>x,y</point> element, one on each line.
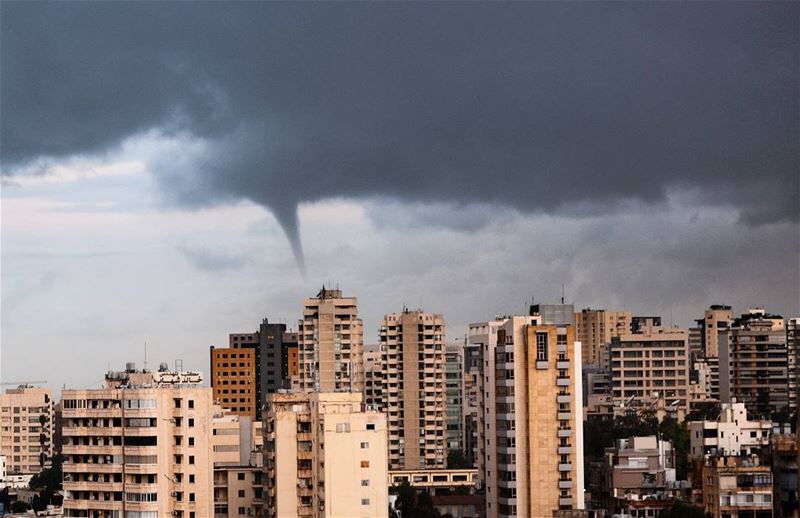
<point>595,328</point>
<point>737,487</point>
<point>650,365</point>
<point>238,465</point>
<point>532,429</point>
<point>716,318</point>
<point>26,429</point>
<point>330,344</point>
<point>140,447</point>
<point>413,366</point>
<point>325,456</point>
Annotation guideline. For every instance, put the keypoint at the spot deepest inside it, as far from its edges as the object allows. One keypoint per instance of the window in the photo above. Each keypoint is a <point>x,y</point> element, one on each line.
<point>370,426</point>
<point>541,347</point>
<point>241,493</point>
<point>342,427</point>
<point>240,476</point>
<point>241,510</point>
<point>191,479</point>
<point>191,403</point>
<point>191,459</point>
<point>364,445</point>
<point>191,441</point>
<point>191,422</point>
<point>364,463</point>
<point>191,497</point>
<point>365,483</point>
<point>365,501</point>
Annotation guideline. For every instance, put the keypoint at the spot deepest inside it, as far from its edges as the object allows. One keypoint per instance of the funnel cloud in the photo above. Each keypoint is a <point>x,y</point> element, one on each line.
<point>566,108</point>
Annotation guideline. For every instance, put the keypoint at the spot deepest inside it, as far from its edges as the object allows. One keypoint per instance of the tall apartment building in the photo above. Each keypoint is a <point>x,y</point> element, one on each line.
<point>754,362</point>
<point>373,377</point>
<point>652,363</point>
<point>139,447</point>
<point>596,327</point>
<point>717,318</point>
<point>237,443</point>
<point>413,365</point>
<point>532,428</point>
<point>473,399</point>
<point>330,344</point>
<point>325,456</point>
<point>793,360</point>
<point>252,366</point>
<point>454,391</point>
<point>26,429</point>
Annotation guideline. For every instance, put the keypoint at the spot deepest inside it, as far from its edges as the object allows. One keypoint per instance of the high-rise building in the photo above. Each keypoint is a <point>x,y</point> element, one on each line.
<point>26,429</point>
<point>454,389</point>
<point>252,366</point>
<point>717,318</point>
<point>651,364</point>
<point>325,456</point>
<point>595,328</point>
<point>330,344</point>
<point>238,465</point>
<point>373,377</point>
<point>532,429</point>
<point>736,487</point>
<point>473,398</point>
<point>139,447</point>
<point>413,365</point>
<point>754,362</point>
<point>793,360</point>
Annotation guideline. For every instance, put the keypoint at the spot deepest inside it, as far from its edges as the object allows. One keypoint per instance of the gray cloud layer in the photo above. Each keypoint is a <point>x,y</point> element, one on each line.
<point>530,106</point>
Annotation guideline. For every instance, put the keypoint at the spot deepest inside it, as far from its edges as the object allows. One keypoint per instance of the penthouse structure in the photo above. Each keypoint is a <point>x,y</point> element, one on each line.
<point>141,446</point>
<point>325,456</point>
<point>413,366</point>
<point>26,429</point>
<point>532,430</point>
<point>717,319</point>
<point>652,363</point>
<point>252,366</point>
<point>754,362</point>
<point>330,344</point>
<point>730,434</point>
<point>595,328</point>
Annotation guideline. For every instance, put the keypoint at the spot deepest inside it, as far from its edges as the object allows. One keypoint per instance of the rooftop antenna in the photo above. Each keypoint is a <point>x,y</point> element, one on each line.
<point>145,356</point>
<point>562,292</point>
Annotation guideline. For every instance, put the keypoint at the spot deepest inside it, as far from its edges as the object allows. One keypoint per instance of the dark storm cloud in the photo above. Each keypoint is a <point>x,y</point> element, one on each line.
<point>529,106</point>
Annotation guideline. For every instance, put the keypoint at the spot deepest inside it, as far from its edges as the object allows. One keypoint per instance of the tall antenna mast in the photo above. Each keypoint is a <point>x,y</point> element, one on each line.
<point>562,292</point>
<point>145,356</point>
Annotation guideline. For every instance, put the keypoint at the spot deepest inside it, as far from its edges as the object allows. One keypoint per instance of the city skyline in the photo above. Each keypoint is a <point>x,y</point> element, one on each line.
<point>642,155</point>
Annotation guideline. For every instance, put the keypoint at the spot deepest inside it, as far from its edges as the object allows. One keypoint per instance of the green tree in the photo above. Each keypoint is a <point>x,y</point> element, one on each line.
<point>414,504</point>
<point>678,435</point>
<point>457,460</point>
<point>682,510</point>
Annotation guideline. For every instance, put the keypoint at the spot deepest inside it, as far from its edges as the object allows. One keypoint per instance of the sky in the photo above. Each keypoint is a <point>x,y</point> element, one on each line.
<point>174,172</point>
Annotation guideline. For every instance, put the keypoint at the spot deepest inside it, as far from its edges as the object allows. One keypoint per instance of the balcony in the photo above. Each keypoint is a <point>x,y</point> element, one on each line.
<point>564,450</point>
<point>565,467</point>
<point>71,467</point>
<point>564,484</point>
<point>564,432</point>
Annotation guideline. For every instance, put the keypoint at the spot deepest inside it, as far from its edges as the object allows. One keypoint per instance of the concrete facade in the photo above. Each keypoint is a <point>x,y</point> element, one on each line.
<point>414,397</point>
<point>26,429</point>
<point>324,457</point>
<point>140,447</point>
<point>330,344</point>
<point>595,328</point>
<point>754,363</point>
<point>532,430</point>
<point>730,434</point>
<point>454,388</point>
<point>737,487</point>
<point>238,466</point>
<point>653,361</point>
